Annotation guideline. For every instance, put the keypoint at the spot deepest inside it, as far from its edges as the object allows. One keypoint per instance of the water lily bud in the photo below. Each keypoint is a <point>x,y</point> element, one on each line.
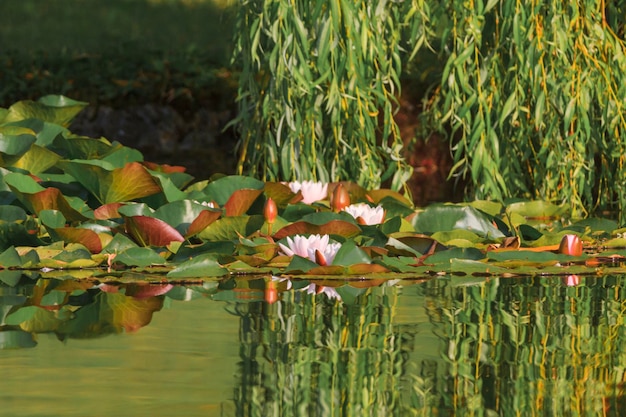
<point>270,211</point>
<point>340,198</point>
<point>571,245</point>
<point>320,259</point>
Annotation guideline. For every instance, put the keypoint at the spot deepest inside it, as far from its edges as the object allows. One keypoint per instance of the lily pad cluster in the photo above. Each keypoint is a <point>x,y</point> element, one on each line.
<point>74,202</point>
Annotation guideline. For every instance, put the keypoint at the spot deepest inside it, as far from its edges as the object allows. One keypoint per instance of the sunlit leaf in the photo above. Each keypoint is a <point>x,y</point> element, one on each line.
<point>406,244</point>
<point>111,186</point>
<point>221,190</point>
<point>16,140</point>
<point>441,218</point>
<point>120,243</point>
<point>150,231</point>
<point>229,228</point>
<point>108,211</point>
<point>86,237</point>
<point>333,227</point>
<point>279,192</point>
<point>53,109</point>
<point>204,265</point>
<point>36,160</point>
<point>188,217</point>
<point>380,194</point>
<point>45,132</point>
<point>9,258</point>
<point>365,269</point>
<point>536,209</point>
<point>350,254</point>
<point>446,256</point>
<point>138,256</point>
<point>300,264</point>
<point>240,201</point>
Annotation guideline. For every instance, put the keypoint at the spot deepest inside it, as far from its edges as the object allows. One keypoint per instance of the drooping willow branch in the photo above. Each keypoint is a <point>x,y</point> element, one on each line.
<point>318,87</point>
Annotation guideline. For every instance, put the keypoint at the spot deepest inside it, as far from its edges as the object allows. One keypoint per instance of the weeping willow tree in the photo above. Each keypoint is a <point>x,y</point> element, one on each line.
<point>318,86</point>
<point>534,94</point>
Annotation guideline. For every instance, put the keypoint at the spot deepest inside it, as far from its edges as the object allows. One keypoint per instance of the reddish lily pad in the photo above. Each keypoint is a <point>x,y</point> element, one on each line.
<point>204,220</point>
<point>108,211</point>
<point>365,269</point>
<point>88,238</point>
<point>333,227</point>
<point>150,231</point>
<point>279,192</point>
<point>240,201</point>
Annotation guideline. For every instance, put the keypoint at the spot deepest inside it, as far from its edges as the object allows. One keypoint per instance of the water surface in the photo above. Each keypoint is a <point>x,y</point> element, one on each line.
<point>538,346</point>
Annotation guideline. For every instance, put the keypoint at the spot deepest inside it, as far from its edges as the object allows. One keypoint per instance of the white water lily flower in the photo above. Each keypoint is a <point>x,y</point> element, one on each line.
<point>311,191</point>
<point>315,247</point>
<point>369,215</point>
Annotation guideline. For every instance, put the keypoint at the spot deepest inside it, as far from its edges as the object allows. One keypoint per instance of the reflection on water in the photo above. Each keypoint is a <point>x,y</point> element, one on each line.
<point>538,346</point>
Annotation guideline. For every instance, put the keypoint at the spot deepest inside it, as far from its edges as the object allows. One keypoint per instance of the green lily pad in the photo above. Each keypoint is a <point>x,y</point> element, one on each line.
<point>140,257</point>
<point>10,258</point>
<point>16,140</point>
<point>222,189</point>
<point>204,265</point>
<point>537,209</point>
<point>447,217</point>
<point>188,217</point>
<point>231,228</point>
<point>36,160</point>
<point>54,109</point>
<point>350,254</point>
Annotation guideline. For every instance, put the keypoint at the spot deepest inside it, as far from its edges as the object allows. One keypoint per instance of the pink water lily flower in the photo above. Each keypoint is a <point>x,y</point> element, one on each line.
<point>311,191</point>
<point>366,214</point>
<point>317,248</point>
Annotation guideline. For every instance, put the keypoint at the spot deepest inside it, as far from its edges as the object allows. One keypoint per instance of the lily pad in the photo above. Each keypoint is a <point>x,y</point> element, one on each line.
<point>447,217</point>
<point>204,265</point>
<point>131,182</point>
<point>150,231</point>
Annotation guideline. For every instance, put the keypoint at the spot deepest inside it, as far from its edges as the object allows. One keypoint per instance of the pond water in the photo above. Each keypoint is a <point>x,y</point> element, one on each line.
<point>448,346</point>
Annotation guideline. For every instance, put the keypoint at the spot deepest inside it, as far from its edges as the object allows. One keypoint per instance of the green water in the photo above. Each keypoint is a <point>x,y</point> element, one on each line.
<point>444,347</point>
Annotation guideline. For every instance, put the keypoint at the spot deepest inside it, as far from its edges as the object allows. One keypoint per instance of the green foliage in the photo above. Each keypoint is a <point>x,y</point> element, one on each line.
<point>95,203</point>
<point>318,86</point>
<point>534,97</point>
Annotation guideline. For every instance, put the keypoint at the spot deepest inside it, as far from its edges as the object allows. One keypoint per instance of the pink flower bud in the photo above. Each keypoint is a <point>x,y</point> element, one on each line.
<point>571,245</point>
<point>270,211</point>
<point>340,198</point>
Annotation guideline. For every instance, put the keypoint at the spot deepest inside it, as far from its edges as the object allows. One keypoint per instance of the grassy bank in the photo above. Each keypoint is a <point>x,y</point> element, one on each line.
<point>118,51</point>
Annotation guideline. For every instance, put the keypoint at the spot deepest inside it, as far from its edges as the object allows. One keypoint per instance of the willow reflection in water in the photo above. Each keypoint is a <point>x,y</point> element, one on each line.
<point>532,347</point>
<point>507,347</point>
